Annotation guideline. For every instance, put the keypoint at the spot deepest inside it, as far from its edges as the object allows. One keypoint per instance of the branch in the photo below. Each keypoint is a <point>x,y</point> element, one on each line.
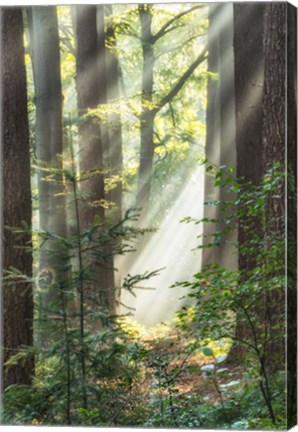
<point>66,40</point>
<point>165,28</point>
<point>132,34</point>
<point>174,48</point>
<point>172,93</point>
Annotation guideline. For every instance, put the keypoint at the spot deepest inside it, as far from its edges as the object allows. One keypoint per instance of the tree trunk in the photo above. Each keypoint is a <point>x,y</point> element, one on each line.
<point>248,44</point>
<point>107,272</point>
<point>88,90</point>
<point>291,161</point>
<point>249,77</point>
<point>220,139</point>
<point>114,119</point>
<point>275,134</point>
<point>147,116</point>
<point>49,150</point>
<point>148,110</point>
<point>91,92</point>
<point>49,134</point>
<point>17,300</point>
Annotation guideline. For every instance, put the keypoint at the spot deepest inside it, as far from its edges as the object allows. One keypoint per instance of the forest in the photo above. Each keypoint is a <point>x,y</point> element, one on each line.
<point>148,183</point>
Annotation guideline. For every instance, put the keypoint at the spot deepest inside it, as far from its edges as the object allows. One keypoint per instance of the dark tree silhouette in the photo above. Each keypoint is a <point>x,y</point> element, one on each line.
<point>249,77</point>
<point>17,299</point>
<point>279,145</point>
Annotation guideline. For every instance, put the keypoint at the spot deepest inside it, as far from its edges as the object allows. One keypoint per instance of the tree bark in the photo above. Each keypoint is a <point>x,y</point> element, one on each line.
<point>291,228</point>
<point>107,273</point>
<point>49,140</point>
<point>88,94</point>
<point>248,44</point>
<point>91,92</point>
<point>249,78</point>
<point>220,138</point>
<point>274,150</point>
<point>114,118</point>
<point>147,116</point>
<point>17,300</point>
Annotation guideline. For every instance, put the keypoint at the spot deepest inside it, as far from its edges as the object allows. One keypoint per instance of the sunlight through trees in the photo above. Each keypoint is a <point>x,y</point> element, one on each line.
<point>149,215</point>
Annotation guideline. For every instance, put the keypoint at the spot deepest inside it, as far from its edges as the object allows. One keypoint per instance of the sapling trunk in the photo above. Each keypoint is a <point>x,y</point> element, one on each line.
<point>264,383</point>
<point>67,348</point>
<point>80,281</point>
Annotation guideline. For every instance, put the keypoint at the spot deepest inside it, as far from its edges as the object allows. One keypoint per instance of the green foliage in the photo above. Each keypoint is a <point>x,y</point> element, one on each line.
<point>95,368</point>
<point>253,295</point>
<point>122,361</point>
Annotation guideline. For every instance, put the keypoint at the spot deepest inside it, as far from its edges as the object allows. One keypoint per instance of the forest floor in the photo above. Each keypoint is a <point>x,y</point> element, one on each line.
<point>180,373</point>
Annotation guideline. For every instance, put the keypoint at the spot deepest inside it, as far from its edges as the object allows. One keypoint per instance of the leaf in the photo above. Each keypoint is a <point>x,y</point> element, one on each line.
<point>207,351</point>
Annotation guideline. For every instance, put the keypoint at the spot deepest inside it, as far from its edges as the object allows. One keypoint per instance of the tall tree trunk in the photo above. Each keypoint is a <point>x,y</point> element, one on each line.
<point>291,228</point>
<point>91,91</point>
<point>220,139</point>
<point>88,91</point>
<point>275,134</point>
<point>147,116</point>
<point>49,150</point>
<point>48,96</point>
<point>212,149</point>
<point>108,268</point>
<point>114,118</point>
<point>17,302</point>
<point>228,258</point>
<point>48,132</point>
<point>249,77</point>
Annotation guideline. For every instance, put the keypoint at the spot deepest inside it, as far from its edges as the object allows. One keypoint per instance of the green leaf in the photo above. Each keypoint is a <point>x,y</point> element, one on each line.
<point>207,351</point>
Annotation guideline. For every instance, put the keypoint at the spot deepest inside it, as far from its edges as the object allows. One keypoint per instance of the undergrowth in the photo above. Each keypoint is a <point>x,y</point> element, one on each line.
<point>95,368</point>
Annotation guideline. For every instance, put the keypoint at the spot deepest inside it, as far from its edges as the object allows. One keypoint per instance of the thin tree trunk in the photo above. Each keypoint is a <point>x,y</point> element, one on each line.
<point>212,149</point>
<point>17,302</point>
<point>114,118</point>
<point>291,161</point>
<point>147,116</point>
<point>108,267</point>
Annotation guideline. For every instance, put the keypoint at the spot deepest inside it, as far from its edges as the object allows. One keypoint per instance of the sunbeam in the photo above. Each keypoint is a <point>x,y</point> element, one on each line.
<point>171,249</point>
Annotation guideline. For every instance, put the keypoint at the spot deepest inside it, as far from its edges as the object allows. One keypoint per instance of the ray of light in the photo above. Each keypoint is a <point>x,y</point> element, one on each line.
<point>171,248</point>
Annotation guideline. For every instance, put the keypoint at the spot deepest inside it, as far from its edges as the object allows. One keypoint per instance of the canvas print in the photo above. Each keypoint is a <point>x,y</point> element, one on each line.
<point>149,182</point>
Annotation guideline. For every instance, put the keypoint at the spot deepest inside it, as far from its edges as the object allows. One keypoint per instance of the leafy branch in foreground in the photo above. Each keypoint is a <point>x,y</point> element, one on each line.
<point>220,295</point>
